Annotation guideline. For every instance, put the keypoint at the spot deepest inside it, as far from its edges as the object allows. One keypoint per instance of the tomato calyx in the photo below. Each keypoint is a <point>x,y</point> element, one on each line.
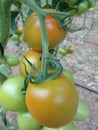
<point>55,70</point>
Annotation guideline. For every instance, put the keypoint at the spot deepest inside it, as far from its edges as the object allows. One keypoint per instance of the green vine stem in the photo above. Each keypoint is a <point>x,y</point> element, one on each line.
<point>41,14</point>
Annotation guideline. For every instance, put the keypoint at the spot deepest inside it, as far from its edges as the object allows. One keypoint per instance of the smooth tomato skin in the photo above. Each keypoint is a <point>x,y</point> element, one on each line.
<point>68,74</point>
<point>12,60</point>
<point>83,7</point>
<point>27,122</point>
<point>83,112</point>
<point>52,103</point>
<point>32,33</point>
<point>11,97</point>
<point>34,57</point>
<point>69,126</point>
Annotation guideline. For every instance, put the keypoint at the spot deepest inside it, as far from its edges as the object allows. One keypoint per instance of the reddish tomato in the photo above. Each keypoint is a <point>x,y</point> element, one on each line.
<point>52,103</point>
<point>34,57</point>
<point>27,122</point>
<point>32,34</point>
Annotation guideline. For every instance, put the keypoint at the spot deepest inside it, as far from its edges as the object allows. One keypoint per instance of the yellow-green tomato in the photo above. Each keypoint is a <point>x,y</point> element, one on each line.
<point>68,74</point>
<point>63,52</point>
<point>27,122</point>
<point>70,50</point>
<point>12,60</point>
<point>11,97</point>
<point>82,112</point>
<point>70,126</point>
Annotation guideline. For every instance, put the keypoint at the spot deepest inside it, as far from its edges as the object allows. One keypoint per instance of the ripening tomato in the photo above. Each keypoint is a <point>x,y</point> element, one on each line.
<point>34,57</point>
<point>27,122</point>
<point>82,111</point>
<point>32,34</point>
<point>52,103</point>
<point>69,126</point>
<point>11,97</point>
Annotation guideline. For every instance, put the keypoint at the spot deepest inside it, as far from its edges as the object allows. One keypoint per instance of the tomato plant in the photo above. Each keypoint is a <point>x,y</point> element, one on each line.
<point>70,126</point>
<point>82,112</point>
<point>34,57</point>
<point>52,103</point>
<point>27,122</point>
<point>51,98</point>
<point>11,97</point>
<point>32,34</point>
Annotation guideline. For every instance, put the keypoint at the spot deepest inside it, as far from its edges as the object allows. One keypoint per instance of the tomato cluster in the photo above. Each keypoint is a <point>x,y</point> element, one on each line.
<point>80,6</point>
<point>52,103</point>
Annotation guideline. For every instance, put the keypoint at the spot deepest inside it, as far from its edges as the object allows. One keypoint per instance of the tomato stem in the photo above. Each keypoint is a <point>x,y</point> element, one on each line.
<point>45,44</point>
<point>44,75</point>
<point>41,14</point>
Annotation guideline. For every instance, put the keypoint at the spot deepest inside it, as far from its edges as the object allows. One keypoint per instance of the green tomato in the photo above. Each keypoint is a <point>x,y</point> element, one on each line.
<point>83,7</point>
<point>20,39</point>
<point>12,60</point>
<point>82,111</point>
<point>11,97</point>
<point>63,52</point>
<point>68,74</point>
<point>70,126</point>
<point>27,122</point>
<point>15,37</point>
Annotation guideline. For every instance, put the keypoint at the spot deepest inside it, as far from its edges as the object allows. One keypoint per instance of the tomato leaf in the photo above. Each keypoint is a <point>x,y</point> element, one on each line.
<point>54,3</point>
<point>13,23</point>
<point>2,50</point>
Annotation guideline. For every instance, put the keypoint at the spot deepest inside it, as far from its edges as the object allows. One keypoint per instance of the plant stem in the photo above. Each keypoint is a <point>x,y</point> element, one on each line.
<point>45,44</point>
<point>41,14</point>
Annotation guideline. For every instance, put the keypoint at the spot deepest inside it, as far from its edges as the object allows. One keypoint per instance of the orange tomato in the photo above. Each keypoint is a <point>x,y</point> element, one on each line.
<point>52,103</point>
<point>34,57</point>
<point>32,33</point>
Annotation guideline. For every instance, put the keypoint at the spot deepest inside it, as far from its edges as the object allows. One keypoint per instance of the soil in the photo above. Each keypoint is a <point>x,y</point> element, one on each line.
<point>83,64</point>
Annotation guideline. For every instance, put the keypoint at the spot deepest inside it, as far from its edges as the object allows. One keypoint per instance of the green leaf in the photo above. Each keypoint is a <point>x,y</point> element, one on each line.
<point>2,78</point>
<point>5,70</point>
<point>54,3</point>
<point>13,23</point>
